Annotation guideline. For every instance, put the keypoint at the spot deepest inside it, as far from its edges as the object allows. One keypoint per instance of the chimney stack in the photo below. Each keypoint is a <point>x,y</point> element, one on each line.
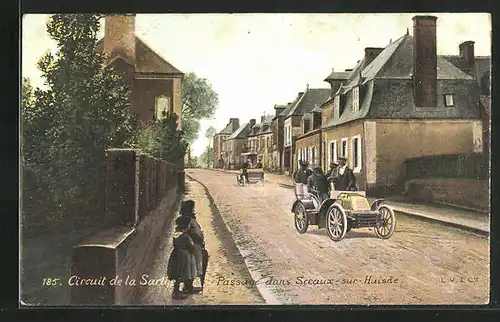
<point>371,53</point>
<point>235,123</point>
<point>424,61</point>
<point>278,109</point>
<point>119,37</point>
<point>252,122</point>
<point>466,50</point>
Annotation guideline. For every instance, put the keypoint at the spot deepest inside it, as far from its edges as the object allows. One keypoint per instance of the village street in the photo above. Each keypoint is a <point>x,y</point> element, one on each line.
<point>423,263</point>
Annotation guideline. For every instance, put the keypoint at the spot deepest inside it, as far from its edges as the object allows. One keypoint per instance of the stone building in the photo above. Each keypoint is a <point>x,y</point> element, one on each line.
<point>305,102</point>
<point>221,155</point>
<point>155,84</point>
<point>277,124</point>
<point>402,102</point>
<point>259,142</point>
<point>236,144</point>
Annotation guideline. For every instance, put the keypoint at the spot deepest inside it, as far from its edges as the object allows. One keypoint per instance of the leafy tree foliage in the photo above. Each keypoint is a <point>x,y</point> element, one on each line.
<point>85,110</point>
<point>163,140</point>
<point>199,101</point>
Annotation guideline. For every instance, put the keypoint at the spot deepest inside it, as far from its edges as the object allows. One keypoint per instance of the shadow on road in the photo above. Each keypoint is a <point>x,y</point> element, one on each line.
<point>351,234</point>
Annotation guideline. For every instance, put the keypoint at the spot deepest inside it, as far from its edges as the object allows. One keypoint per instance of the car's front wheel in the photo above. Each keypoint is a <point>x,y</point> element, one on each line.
<point>336,222</point>
<point>387,222</point>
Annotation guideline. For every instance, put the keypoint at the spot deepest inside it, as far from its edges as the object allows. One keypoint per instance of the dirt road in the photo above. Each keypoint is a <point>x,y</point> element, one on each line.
<point>225,261</point>
<point>423,263</point>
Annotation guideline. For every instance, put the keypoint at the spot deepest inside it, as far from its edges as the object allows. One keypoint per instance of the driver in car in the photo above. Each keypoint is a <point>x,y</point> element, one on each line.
<point>345,180</point>
<point>318,181</point>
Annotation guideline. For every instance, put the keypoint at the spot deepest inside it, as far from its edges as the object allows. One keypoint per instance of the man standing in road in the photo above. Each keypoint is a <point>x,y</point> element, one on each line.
<point>301,175</point>
<point>345,181</point>
<point>244,170</point>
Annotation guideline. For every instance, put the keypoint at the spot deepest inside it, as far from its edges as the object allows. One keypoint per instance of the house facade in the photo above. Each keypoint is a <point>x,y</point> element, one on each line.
<point>277,125</point>
<point>401,102</point>
<point>220,155</point>
<point>154,83</point>
<point>260,142</point>
<point>236,145</point>
<point>293,123</point>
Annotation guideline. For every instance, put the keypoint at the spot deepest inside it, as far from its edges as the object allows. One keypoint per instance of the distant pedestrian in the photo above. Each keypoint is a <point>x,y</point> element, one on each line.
<point>182,263</point>
<point>194,230</point>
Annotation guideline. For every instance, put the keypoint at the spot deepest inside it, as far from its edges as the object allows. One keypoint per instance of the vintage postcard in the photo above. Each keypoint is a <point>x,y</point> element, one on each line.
<point>255,159</point>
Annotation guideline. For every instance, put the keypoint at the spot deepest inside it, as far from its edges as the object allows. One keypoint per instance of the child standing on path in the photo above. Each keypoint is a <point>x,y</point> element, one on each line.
<point>182,263</point>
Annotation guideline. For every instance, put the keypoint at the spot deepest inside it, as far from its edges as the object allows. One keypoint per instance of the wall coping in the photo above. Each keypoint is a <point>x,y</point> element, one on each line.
<point>111,238</point>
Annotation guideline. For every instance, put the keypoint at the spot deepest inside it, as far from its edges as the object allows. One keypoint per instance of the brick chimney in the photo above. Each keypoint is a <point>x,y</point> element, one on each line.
<point>371,53</point>
<point>252,122</point>
<point>119,37</point>
<point>235,123</point>
<point>278,109</point>
<point>424,61</point>
<point>466,50</point>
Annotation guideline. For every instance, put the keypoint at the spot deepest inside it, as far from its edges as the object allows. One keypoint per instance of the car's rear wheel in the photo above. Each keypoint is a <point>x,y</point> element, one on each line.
<point>301,222</point>
<point>387,222</point>
<point>336,222</point>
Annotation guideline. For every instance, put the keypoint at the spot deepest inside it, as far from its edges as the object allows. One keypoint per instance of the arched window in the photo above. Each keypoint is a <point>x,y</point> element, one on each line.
<point>162,104</point>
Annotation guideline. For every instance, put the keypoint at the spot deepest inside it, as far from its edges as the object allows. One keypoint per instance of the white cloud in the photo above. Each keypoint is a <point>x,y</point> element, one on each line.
<point>257,60</point>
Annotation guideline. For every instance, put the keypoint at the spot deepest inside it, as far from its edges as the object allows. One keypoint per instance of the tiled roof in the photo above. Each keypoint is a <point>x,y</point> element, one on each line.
<point>147,60</point>
<point>386,90</point>
<point>241,132</point>
<point>309,100</point>
<point>228,129</point>
<point>337,76</point>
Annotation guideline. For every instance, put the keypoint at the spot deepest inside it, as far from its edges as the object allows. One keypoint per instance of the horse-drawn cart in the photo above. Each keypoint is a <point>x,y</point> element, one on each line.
<point>341,212</point>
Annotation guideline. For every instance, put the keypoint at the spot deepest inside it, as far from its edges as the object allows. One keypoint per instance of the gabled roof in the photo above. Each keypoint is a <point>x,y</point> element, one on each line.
<point>227,130</point>
<point>147,60</point>
<point>392,96</point>
<point>309,100</point>
<point>241,132</point>
<point>396,62</point>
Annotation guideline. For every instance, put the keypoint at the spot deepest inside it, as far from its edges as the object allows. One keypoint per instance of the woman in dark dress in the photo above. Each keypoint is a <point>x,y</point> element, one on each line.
<point>194,230</point>
<point>182,263</point>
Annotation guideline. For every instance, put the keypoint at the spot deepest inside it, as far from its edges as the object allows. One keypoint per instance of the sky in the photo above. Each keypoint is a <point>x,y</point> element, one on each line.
<point>254,61</point>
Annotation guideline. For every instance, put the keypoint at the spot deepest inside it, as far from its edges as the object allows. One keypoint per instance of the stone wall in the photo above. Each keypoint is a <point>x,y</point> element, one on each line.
<point>468,193</point>
<point>142,196</point>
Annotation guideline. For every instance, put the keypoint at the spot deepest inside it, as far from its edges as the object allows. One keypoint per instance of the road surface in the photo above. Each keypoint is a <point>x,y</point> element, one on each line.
<point>423,263</point>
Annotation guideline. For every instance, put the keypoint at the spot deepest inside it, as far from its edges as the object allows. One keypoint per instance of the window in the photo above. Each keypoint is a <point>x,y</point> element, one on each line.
<point>313,155</point>
<point>162,104</point>
<point>356,153</point>
<point>343,151</point>
<point>307,125</point>
<point>448,100</point>
<point>332,152</point>
<point>355,99</point>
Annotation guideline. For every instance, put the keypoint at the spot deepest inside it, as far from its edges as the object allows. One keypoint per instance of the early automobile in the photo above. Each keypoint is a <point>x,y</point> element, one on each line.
<point>343,211</point>
<point>254,176</point>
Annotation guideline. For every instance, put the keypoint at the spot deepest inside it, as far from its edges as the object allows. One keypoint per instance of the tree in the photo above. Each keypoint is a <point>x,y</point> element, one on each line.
<point>207,156</point>
<point>84,111</point>
<point>209,135</point>
<point>199,101</point>
<point>163,140</point>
